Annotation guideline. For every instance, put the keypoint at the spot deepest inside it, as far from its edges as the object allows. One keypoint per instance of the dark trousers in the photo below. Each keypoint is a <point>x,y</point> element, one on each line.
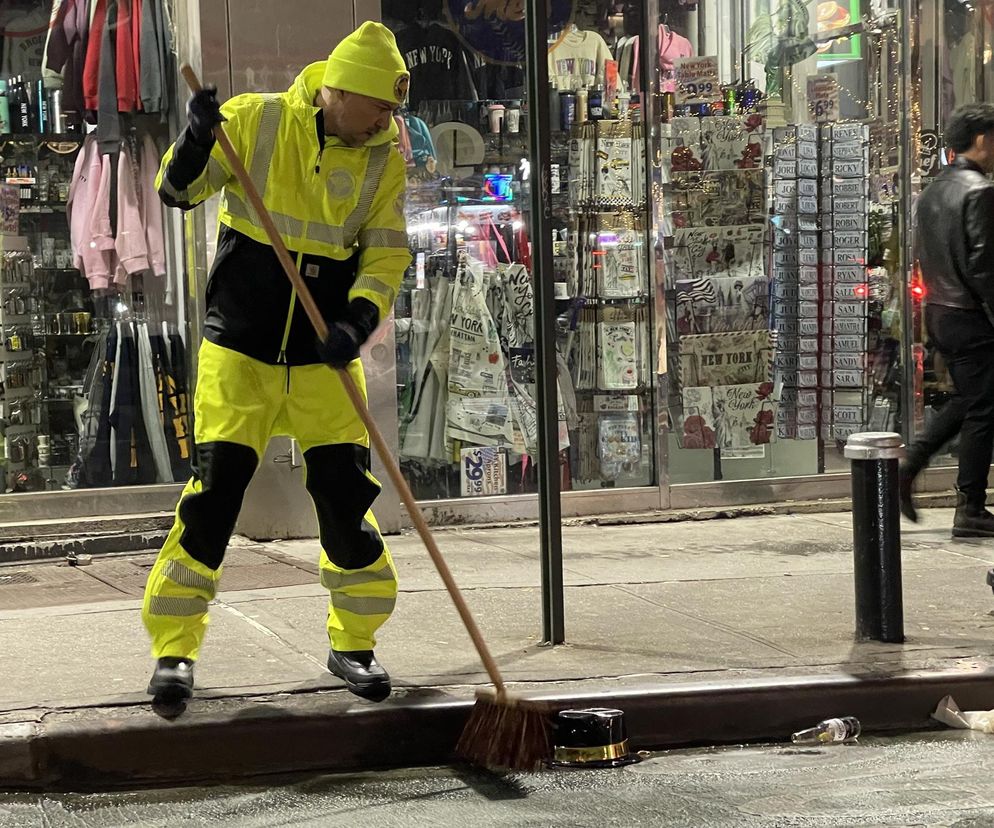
<point>966,341</point>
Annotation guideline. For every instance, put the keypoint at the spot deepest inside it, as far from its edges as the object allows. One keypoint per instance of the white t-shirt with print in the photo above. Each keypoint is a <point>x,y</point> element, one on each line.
<point>578,61</point>
<point>24,30</point>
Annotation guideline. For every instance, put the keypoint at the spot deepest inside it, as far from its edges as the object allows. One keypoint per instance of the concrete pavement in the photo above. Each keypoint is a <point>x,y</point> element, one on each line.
<point>682,613</point>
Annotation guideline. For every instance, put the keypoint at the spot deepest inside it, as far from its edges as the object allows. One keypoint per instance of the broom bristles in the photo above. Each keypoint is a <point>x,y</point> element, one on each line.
<point>506,733</point>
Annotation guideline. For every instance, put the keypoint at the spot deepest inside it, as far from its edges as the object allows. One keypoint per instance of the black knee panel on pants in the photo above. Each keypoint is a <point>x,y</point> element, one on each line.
<point>209,516</point>
<point>342,494</point>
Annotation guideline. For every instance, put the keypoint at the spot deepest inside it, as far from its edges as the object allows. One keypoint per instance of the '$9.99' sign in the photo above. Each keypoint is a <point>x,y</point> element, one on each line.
<point>697,80</point>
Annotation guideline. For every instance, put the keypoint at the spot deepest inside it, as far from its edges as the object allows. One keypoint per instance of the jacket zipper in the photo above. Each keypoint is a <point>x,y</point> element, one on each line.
<point>293,292</point>
<point>289,315</point>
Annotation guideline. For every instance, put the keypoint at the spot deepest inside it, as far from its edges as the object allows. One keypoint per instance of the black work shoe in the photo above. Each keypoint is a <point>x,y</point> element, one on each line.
<point>906,481</point>
<point>172,680</point>
<point>973,525</point>
<point>972,520</point>
<point>361,673</point>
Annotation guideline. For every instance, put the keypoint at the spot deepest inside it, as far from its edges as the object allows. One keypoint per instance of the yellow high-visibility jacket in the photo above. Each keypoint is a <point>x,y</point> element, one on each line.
<point>339,210</point>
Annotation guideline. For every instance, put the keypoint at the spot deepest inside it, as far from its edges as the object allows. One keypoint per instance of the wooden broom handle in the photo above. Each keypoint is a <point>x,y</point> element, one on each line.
<point>376,436</point>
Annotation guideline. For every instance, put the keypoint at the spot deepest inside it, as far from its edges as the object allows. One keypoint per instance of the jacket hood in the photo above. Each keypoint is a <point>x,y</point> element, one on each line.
<point>303,92</point>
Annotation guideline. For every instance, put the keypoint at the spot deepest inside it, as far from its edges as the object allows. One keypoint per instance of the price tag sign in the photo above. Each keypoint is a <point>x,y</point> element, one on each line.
<point>483,471</point>
<point>697,80</point>
<point>823,98</point>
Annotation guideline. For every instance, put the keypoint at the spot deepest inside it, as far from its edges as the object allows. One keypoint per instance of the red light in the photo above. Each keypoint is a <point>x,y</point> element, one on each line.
<point>918,291</point>
<point>862,291</point>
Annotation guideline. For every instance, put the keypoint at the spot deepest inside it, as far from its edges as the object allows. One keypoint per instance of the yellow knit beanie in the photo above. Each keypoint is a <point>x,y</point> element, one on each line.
<point>368,62</point>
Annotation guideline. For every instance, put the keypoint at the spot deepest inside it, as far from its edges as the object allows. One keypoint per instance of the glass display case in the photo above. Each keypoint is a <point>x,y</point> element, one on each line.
<point>784,289</point>
<point>465,317</point>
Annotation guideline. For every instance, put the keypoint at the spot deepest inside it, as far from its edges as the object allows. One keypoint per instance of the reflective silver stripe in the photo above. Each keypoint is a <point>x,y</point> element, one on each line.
<point>167,605</point>
<point>336,580</point>
<point>173,193</point>
<point>217,175</point>
<point>184,576</point>
<point>287,225</point>
<point>363,605</point>
<point>265,141</point>
<point>380,237</point>
<point>374,172</point>
<point>326,234</point>
<point>258,169</point>
<point>371,283</point>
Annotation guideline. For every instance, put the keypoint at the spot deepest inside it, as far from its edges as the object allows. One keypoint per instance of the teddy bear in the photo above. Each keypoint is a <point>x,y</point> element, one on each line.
<point>760,433</point>
<point>751,156</point>
<point>697,434</point>
<point>683,160</point>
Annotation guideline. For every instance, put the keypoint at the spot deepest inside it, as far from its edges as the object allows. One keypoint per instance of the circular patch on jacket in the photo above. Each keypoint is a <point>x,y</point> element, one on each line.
<point>341,183</point>
<point>400,87</point>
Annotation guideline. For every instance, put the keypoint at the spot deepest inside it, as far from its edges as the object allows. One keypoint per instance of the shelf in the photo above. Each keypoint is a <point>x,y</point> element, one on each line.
<point>54,205</point>
<point>630,392</point>
<point>41,138</point>
<point>38,210</point>
<point>24,428</point>
<point>15,394</point>
<point>594,301</point>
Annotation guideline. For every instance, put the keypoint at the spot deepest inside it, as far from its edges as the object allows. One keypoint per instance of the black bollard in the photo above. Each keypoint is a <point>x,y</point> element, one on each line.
<point>876,523</point>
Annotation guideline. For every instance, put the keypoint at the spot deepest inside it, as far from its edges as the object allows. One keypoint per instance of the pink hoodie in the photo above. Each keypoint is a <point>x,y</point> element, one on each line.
<point>152,207</point>
<point>90,230</point>
<point>140,244</point>
<point>131,246</point>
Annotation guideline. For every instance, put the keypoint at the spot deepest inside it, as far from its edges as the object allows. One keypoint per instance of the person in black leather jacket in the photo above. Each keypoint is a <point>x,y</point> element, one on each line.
<point>955,247</point>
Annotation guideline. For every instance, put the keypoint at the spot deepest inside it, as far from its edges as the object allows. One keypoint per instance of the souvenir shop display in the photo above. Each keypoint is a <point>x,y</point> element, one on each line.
<point>93,361</point>
<point>774,294</point>
<point>465,327</point>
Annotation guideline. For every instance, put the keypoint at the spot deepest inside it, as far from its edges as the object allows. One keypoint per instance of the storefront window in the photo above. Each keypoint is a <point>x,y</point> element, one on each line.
<point>963,37</point>
<point>465,319</point>
<point>93,362</point>
<point>781,276</point>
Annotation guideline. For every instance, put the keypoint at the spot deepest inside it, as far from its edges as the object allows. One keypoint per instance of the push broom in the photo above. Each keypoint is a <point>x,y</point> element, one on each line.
<point>503,731</point>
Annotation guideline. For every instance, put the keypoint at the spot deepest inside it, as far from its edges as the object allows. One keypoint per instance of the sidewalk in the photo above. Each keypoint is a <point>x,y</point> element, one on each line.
<point>656,615</point>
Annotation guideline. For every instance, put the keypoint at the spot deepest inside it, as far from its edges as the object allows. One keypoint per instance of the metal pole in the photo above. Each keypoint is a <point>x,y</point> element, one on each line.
<point>876,524</point>
<point>910,125</point>
<point>546,370</point>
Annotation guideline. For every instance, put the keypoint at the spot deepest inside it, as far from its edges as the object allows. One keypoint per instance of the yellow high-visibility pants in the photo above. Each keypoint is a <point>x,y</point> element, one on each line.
<point>239,404</point>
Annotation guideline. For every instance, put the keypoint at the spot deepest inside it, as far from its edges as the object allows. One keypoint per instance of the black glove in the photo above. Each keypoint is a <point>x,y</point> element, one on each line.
<point>204,113</point>
<point>347,336</point>
<point>341,346</point>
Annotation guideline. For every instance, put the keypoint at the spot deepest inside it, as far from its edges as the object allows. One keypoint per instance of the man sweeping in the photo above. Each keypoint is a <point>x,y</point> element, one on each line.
<point>323,157</point>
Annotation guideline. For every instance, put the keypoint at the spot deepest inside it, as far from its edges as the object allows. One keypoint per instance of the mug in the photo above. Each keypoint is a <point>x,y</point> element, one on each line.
<point>496,112</point>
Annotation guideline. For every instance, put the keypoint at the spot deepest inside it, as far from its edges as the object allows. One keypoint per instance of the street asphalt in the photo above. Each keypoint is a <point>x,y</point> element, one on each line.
<point>931,779</point>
